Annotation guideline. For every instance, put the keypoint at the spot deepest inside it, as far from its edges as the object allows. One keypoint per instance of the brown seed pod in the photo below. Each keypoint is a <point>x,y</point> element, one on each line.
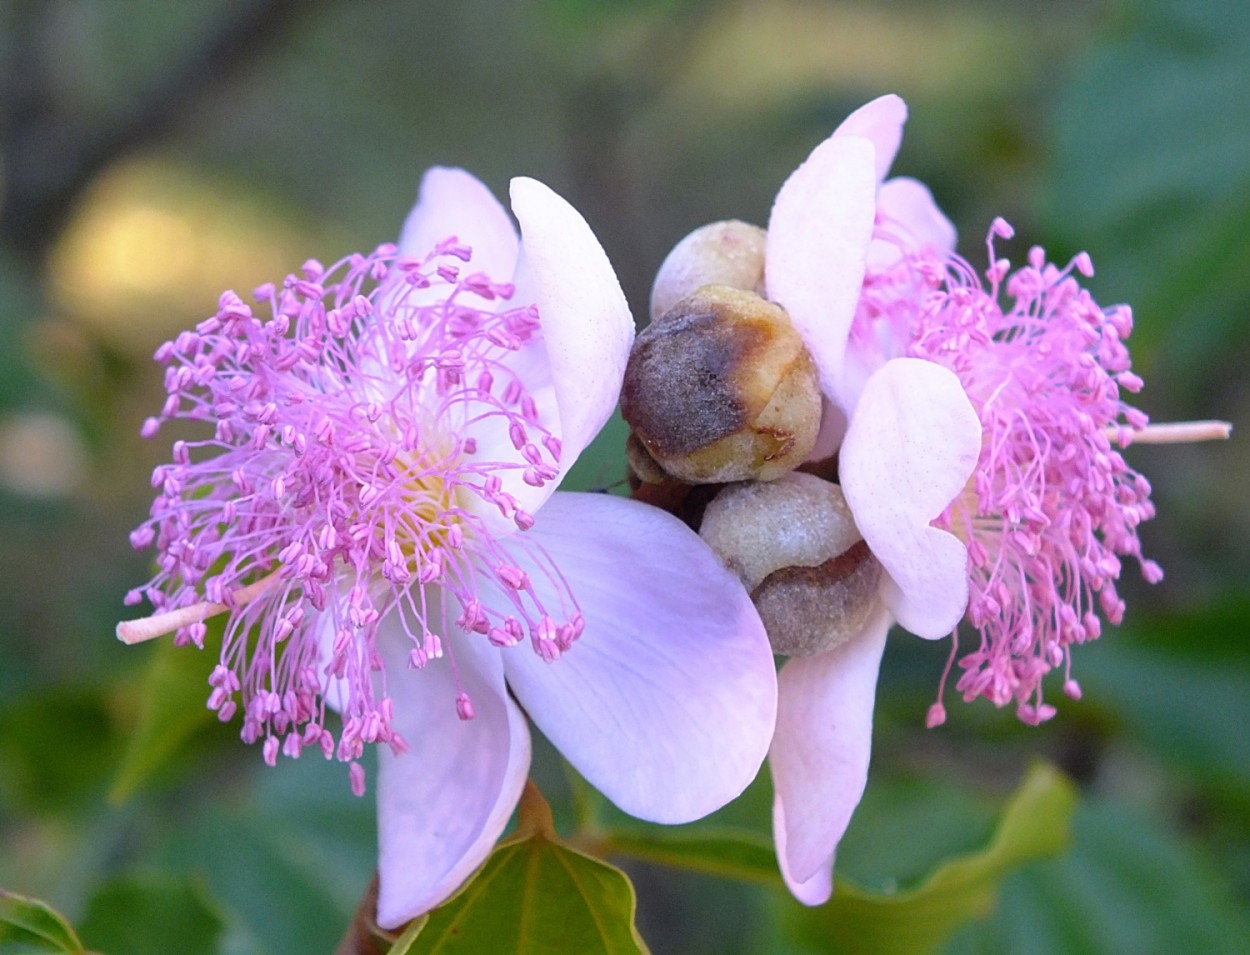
<point>729,253</point>
<point>794,545</point>
<point>722,390</point>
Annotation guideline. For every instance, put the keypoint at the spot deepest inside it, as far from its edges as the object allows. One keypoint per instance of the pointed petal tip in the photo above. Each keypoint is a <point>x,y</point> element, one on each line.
<point>587,325</point>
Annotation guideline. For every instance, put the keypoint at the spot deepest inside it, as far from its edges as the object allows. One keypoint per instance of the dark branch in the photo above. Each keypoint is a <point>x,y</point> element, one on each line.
<point>50,157</point>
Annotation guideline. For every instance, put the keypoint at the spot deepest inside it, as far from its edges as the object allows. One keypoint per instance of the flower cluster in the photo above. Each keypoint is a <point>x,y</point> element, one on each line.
<point>977,426</point>
<point>373,511</point>
<point>1052,506</point>
<point>339,485</point>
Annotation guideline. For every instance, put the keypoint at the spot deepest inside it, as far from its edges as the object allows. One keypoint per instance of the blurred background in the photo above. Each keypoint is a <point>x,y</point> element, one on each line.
<point>153,154</point>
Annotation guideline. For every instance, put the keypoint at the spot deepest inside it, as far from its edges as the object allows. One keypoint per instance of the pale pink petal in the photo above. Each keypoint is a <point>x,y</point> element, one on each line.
<point>452,202</point>
<point>666,703</point>
<point>914,216</point>
<point>880,121</point>
<point>832,429</point>
<point>820,754</point>
<point>444,803</point>
<point>818,237</point>
<point>586,321</point>
<point>909,451</point>
<point>818,889</point>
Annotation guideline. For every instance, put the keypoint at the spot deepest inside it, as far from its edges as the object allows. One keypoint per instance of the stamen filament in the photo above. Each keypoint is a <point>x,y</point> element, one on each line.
<point>1183,432</point>
<point>131,632</point>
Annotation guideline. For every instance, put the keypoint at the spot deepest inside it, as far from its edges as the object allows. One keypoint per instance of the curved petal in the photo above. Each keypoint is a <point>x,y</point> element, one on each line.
<point>911,446</point>
<point>909,204</point>
<point>586,321</point>
<point>452,202</point>
<point>820,754</point>
<point>818,236</point>
<point>444,803</point>
<point>880,121</point>
<point>667,701</point>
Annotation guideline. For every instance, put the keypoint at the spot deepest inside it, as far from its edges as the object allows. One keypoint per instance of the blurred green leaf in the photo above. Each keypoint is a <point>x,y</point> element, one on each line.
<point>171,711</point>
<point>1129,884</point>
<point>286,861</point>
<point>1034,824</point>
<point>1161,195</point>
<point>151,915</point>
<point>57,748</point>
<point>27,925</point>
<point>1184,708</point>
<point>730,854</point>
<point>536,894</point>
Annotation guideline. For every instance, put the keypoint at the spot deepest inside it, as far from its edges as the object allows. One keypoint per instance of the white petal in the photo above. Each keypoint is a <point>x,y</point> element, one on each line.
<point>909,203</point>
<point>818,237</point>
<point>880,121</point>
<point>820,754</point>
<point>586,322</point>
<point>452,202</point>
<point>444,804</point>
<point>666,704</point>
<point>910,448</point>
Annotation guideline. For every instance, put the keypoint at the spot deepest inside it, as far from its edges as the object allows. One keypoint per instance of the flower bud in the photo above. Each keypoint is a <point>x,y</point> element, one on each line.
<point>794,545</point>
<point>721,253</point>
<point>722,390</point>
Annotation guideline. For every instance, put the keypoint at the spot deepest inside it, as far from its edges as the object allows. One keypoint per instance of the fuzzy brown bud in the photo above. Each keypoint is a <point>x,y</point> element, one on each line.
<point>794,544</point>
<point>729,253</point>
<point>722,390</point>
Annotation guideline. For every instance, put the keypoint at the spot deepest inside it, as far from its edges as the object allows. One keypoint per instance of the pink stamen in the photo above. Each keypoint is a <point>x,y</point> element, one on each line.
<point>342,447</point>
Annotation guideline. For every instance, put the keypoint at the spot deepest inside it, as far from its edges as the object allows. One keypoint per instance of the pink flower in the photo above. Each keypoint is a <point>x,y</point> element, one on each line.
<point>375,512</point>
<point>976,457</point>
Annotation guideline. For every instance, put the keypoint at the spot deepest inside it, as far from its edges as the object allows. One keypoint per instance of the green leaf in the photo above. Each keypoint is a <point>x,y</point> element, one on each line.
<point>1035,824</point>
<point>728,853</point>
<point>151,915</point>
<point>27,925</point>
<point>1129,884</point>
<point>57,749</point>
<point>171,712</point>
<point>1181,706</point>
<point>1152,134</point>
<point>287,864</point>
<point>535,894</point>
<point>406,943</point>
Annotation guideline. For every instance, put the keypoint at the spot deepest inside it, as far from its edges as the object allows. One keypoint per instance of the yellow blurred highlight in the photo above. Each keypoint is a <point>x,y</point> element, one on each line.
<point>155,244</point>
<point>753,54</point>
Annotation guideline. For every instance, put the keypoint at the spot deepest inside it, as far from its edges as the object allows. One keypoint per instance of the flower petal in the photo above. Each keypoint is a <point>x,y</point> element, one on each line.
<point>820,754</point>
<point>444,803</point>
<point>452,202</point>
<point>818,237</point>
<point>880,121</point>
<point>911,446</point>
<point>909,203</point>
<point>667,701</point>
<point>586,321</point>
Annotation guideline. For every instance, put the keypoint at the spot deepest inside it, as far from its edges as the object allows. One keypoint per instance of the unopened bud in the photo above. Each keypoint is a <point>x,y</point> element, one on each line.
<point>722,390</point>
<point>721,253</point>
<point>795,546</point>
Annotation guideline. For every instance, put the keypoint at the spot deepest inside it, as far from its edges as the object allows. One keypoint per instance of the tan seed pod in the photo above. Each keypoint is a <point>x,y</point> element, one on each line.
<point>729,253</point>
<point>722,390</point>
<point>794,545</point>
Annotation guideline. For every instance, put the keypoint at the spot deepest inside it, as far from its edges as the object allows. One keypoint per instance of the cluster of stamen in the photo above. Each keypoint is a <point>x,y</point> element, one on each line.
<point>338,488</point>
<point>1052,506</point>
